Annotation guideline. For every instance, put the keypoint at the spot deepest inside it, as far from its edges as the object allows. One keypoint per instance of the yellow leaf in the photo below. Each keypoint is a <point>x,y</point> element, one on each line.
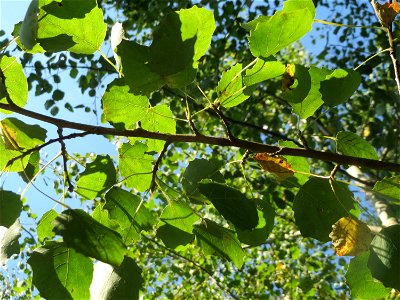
<point>350,237</point>
<point>276,165</point>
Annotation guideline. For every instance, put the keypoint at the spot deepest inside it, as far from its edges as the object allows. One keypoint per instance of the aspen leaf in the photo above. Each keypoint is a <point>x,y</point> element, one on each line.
<point>350,237</point>
<point>386,12</point>
<point>276,165</point>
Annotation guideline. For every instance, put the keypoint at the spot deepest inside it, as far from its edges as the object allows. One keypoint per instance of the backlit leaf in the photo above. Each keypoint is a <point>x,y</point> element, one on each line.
<point>276,165</point>
<point>389,188</point>
<point>350,236</point>
<point>173,237</point>
<point>263,70</point>
<point>296,84</point>
<point>135,166</point>
<point>60,272</point>
<point>15,82</point>
<point>87,236</point>
<point>77,26</point>
<point>21,135</point>
<point>351,144</point>
<point>282,29</point>
<point>298,164</point>
<point>180,215</point>
<point>97,177</point>
<point>45,225</point>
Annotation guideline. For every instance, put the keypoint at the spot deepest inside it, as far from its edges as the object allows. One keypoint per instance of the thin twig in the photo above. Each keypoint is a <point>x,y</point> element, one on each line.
<point>156,166</point>
<point>65,159</point>
<point>190,120</point>
<point>225,121</point>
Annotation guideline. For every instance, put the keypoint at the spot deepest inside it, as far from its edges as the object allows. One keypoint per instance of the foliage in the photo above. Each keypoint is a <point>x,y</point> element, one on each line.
<point>233,147</point>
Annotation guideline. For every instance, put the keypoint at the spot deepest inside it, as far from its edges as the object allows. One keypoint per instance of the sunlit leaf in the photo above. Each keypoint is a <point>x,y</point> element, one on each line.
<point>45,225</point>
<point>217,240</point>
<point>231,89</point>
<point>298,164</point>
<point>263,70</point>
<point>7,154</point>
<point>19,135</point>
<point>15,82</point>
<point>350,236</point>
<point>135,166</point>
<point>389,188</point>
<point>180,215</point>
<point>122,108</point>
<point>351,144</point>
<point>359,279</point>
<point>60,272</point>
<point>97,177</point>
<point>282,29</point>
<point>87,236</point>
<point>77,26</point>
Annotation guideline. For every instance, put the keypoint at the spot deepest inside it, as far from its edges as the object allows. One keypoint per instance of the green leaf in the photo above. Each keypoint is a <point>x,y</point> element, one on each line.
<point>97,177</point>
<point>10,207</point>
<point>197,170</point>
<point>123,109</point>
<point>217,240</point>
<point>258,235</point>
<point>231,90</point>
<point>45,225</point>
<point>360,281</point>
<point>135,166</point>
<point>339,86</point>
<point>264,69</point>
<point>384,259</point>
<point>158,119</point>
<point>298,164</point>
<point>180,40</point>
<point>279,31</point>
<point>123,282</point>
<point>87,236</point>
<point>77,26</point>
<point>351,144</point>
<point>173,237</point>
<point>137,73</point>
<point>389,188</point>
<point>317,206</point>
<point>128,210</point>
<point>231,204</point>
<point>180,215</point>
<point>9,241</point>
<point>15,82</point>
<point>301,87</point>
<point>20,135</point>
<point>7,154</point>
<point>29,27</point>
<point>60,272</point>
<point>307,107</point>
<point>32,168</point>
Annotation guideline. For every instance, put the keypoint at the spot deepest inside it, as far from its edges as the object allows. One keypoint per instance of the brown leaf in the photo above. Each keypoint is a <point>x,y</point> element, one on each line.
<point>276,165</point>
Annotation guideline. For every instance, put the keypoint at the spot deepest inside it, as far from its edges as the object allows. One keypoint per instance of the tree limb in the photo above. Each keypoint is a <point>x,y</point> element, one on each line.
<point>220,141</point>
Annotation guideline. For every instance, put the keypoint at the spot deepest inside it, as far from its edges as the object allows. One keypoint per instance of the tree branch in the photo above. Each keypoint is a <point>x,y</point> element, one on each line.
<point>220,141</point>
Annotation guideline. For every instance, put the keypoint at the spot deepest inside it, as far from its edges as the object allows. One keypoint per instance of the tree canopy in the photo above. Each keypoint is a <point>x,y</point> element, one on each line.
<point>254,150</point>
